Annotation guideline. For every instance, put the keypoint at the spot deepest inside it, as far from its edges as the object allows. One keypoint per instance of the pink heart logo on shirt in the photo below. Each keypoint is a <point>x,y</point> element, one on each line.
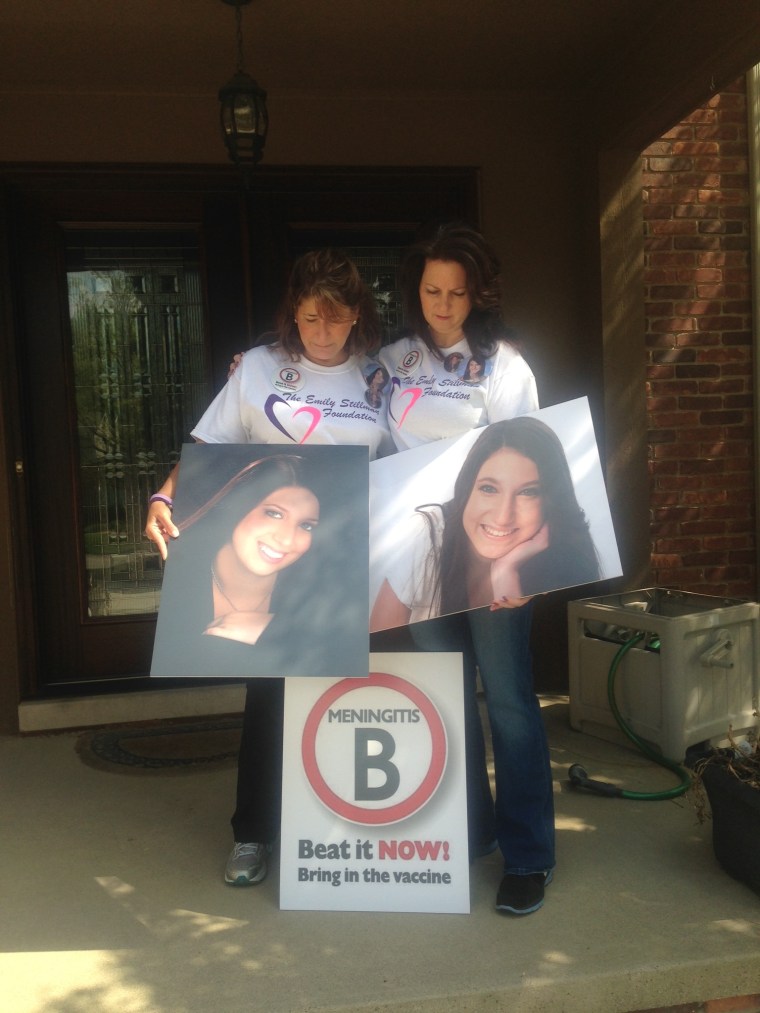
<point>415,393</point>
<point>277,409</point>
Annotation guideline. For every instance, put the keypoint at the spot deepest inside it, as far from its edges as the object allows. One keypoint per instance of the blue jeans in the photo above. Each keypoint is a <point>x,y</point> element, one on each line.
<point>498,643</point>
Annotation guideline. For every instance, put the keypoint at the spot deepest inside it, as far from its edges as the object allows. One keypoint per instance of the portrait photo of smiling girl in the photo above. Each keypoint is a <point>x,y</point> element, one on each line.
<point>511,527</point>
<point>267,560</point>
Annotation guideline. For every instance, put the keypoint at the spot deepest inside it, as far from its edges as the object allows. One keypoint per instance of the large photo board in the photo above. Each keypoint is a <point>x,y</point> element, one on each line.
<point>514,509</point>
<point>269,574</point>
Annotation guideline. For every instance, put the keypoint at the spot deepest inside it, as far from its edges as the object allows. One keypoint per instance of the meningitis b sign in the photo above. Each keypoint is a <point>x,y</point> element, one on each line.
<point>374,810</point>
<point>341,726</point>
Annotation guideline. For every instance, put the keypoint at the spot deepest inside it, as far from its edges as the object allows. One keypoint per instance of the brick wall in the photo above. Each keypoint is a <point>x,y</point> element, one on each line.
<point>699,351</point>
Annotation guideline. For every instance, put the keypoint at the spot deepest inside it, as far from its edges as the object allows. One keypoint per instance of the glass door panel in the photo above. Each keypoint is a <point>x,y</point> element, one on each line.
<point>380,268</point>
<point>138,353</point>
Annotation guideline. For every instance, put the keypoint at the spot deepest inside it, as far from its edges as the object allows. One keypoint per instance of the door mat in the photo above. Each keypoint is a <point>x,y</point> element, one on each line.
<point>165,749</point>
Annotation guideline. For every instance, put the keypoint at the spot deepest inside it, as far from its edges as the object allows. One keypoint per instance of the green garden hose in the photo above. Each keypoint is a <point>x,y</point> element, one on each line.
<point>580,778</point>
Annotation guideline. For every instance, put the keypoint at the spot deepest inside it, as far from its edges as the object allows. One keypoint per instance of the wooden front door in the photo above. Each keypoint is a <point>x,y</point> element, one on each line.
<point>116,364</point>
<point>133,290</point>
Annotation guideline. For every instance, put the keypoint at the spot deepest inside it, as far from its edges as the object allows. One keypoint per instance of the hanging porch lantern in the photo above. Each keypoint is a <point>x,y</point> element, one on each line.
<point>243,107</point>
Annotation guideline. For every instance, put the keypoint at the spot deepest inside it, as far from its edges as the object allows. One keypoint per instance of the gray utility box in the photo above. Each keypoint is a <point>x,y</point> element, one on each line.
<point>691,677</point>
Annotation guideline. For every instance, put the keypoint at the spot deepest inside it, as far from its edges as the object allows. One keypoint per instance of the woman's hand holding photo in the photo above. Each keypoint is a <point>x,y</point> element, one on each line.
<point>159,526</point>
<point>510,603</point>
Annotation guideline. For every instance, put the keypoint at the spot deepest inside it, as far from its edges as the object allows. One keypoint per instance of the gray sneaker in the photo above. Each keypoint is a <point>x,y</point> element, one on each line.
<point>247,864</point>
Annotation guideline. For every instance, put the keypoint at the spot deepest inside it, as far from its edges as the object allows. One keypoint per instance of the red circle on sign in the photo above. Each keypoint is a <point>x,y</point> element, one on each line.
<point>431,780</point>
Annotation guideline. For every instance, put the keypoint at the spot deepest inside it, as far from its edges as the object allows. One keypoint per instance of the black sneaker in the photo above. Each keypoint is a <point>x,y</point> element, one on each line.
<point>522,895</point>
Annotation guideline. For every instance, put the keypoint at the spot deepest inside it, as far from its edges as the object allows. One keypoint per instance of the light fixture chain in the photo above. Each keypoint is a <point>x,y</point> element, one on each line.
<point>239,26</point>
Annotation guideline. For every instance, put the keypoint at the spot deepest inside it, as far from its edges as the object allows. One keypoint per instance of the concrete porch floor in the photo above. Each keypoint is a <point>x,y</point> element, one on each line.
<point>112,900</point>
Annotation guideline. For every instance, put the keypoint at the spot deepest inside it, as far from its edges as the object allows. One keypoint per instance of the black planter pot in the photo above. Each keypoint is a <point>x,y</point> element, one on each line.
<point>735,809</point>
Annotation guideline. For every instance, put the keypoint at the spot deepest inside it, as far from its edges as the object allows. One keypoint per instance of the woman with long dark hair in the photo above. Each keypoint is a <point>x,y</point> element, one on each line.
<point>452,295</point>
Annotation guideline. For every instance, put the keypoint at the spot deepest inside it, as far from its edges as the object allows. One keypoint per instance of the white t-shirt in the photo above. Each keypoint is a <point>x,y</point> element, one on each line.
<point>413,572</point>
<point>271,399</point>
<point>430,399</point>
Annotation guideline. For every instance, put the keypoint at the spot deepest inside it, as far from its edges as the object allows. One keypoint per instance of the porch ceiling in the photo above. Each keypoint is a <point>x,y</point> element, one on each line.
<point>638,64</point>
<point>189,45</point>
